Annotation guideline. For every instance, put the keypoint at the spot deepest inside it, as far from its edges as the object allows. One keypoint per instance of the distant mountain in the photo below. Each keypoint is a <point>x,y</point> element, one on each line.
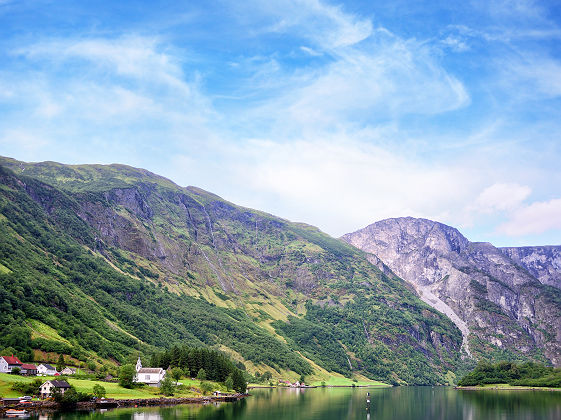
<point>542,262</point>
<point>102,261</point>
<point>493,295</point>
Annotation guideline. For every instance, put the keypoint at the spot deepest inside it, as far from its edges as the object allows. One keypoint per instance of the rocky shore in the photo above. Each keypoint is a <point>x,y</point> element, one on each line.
<point>110,403</point>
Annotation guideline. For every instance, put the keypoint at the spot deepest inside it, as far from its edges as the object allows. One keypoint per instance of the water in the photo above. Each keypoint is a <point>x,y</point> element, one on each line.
<point>405,403</point>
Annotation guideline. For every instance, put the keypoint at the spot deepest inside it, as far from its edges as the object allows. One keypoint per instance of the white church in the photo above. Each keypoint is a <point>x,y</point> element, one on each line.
<point>149,376</point>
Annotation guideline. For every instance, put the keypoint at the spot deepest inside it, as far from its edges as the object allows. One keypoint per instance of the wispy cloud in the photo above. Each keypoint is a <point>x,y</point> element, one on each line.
<point>306,108</point>
<point>535,218</point>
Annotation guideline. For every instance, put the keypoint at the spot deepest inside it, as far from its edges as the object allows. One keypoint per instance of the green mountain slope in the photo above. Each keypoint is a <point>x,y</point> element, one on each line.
<point>115,258</point>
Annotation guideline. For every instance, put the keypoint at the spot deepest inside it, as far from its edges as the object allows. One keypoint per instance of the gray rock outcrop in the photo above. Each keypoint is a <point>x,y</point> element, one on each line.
<point>498,304</point>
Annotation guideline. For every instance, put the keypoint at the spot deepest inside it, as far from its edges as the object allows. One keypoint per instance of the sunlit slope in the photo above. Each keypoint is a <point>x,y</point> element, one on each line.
<point>181,264</point>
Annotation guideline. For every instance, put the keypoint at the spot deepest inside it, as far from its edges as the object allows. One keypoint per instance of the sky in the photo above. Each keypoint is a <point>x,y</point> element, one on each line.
<point>337,114</point>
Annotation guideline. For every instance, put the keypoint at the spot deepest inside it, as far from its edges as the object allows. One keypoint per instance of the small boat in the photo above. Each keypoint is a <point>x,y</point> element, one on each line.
<point>16,413</point>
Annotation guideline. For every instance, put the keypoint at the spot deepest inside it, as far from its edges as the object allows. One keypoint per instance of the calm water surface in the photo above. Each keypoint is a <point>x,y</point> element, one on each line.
<point>405,403</point>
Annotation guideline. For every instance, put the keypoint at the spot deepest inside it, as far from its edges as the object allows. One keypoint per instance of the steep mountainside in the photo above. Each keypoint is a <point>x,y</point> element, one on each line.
<point>112,258</point>
<point>543,262</point>
<point>503,311</point>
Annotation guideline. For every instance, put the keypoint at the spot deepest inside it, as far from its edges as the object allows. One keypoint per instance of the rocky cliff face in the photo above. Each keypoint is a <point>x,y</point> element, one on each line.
<point>500,307</point>
<point>542,262</point>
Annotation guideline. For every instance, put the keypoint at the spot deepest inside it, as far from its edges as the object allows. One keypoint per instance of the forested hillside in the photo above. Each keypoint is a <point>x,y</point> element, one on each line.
<point>100,261</point>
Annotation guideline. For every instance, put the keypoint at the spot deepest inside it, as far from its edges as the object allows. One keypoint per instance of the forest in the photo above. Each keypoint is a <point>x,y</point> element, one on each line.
<point>523,374</point>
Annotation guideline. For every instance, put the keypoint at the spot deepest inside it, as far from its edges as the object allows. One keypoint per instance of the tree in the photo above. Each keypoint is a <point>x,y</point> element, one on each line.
<point>302,379</point>
<point>176,373</point>
<point>99,391</point>
<point>206,387</point>
<point>229,382</point>
<point>60,364</point>
<point>240,384</point>
<point>16,371</point>
<point>126,376</point>
<point>166,386</point>
<point>201,375</point>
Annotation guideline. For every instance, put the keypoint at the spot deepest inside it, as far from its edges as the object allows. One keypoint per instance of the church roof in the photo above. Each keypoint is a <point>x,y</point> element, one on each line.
<point>150,370</point>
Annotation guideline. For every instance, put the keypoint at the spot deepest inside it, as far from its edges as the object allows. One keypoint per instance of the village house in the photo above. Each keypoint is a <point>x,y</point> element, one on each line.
<point>28,369</point>
<point>48,388</point>
<point>68,371</point>
<point>149,376</point>
<point>46,370</point>
<point>7,363</point>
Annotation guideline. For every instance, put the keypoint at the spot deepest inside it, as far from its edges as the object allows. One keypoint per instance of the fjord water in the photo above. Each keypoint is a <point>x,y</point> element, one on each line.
<point>404,403</point>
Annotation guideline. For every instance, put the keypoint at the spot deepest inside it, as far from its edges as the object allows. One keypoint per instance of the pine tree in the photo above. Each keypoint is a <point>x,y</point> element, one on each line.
<point>60,364</point>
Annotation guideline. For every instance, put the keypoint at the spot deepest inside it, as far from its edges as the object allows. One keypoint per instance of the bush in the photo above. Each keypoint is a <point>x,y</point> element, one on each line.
<point>99,391</point>
<point>206,387</point>
<point>201,375</point>
<point>166,386</point>
<point>127,374</point>
<point>229,383</point>
<point>70,397</point>
<point>32,388</point>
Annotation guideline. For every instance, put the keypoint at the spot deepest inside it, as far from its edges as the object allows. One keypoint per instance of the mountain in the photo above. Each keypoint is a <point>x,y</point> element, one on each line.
<point>101,261</point>
<point>493,295</point>
<point>542,262</point>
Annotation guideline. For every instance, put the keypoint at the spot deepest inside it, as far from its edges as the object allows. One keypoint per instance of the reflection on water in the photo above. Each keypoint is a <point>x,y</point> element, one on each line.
<point>406,403</point>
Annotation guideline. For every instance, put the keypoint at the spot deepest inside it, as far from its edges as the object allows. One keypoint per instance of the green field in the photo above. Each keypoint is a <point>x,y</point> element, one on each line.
<point>113,389</point>
<point>341,381</point>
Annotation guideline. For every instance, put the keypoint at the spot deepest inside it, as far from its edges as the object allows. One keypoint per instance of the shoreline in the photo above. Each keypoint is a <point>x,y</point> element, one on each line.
<point>317,386</point>
<point>121,403</point>
<point>506,388</point>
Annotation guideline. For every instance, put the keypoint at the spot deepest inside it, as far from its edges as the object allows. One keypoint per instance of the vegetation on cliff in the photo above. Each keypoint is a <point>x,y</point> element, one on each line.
<point>525,374</point>
<point>113,259</point>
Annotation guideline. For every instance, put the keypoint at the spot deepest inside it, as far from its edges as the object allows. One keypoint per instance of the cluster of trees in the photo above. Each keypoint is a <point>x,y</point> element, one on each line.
<point>202,363</point>
<point>525,374</point>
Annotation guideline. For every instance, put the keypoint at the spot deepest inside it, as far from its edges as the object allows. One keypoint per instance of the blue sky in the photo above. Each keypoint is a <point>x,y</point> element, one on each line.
<point>336,114</point>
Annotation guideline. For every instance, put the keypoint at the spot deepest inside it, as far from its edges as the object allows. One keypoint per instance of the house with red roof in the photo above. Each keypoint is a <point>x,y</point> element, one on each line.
<point>7,363</point>
<point>28,369</point>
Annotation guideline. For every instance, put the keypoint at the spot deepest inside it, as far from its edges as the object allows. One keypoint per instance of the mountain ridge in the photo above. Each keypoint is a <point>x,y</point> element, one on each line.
<point>499,300</point>
<point>273,294</point>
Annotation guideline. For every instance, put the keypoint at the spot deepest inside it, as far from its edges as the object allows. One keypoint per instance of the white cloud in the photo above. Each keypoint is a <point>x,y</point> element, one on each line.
<point>335,181</point>
<point>103,87</point>
<point>501,197</point>
<point>328,26</point>
<point>532,75</point>
<point>385,79</point>
<point>535,218</point>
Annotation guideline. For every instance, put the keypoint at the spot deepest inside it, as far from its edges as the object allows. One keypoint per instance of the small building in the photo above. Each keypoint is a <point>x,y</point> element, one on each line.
<point>48,388</point>
<point>46,370</point>
<point>28,369</point>
<point>68,371</point>
<point>7,363</point>
<point>149,376</point>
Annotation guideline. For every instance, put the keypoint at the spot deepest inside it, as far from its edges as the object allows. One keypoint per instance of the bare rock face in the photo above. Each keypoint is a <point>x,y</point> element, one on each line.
<point>494,299</point>
<point>543,262</point>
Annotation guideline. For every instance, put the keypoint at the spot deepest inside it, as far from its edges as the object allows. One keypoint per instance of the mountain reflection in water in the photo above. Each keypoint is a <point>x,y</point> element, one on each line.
<point>404,403</point>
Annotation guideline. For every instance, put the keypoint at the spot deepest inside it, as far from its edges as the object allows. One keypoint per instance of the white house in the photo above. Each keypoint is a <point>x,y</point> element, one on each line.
<point>7,363</point>
<point>68,371</point>
<point>150,376</point>
<point>48,387</point>
<point>45,369</point>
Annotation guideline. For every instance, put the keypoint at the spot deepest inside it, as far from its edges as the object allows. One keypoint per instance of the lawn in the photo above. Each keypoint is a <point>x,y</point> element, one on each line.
<point>342,381</point>
<point>113,389</point>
